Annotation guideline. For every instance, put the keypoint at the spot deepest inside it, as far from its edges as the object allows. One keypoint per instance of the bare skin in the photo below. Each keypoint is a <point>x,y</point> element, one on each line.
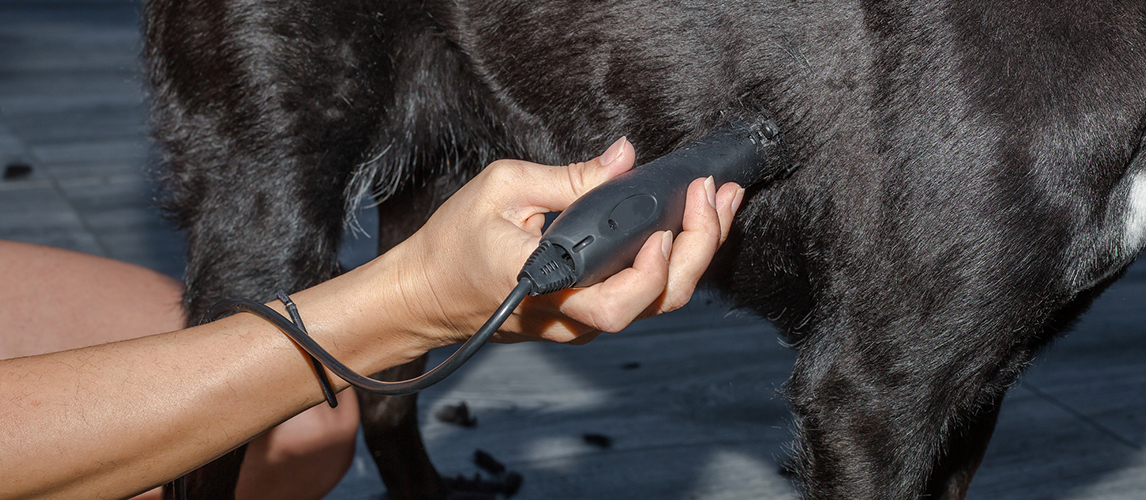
<point>52,299</point>
<point>116,419</point>
<point>94,300</point>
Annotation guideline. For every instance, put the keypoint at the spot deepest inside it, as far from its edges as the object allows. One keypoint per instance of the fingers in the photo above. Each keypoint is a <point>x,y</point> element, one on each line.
<point>611,305</point>
<point>707,221</point>
<point>555,188</point>
<point>664,274</point>
<point>728,200</point>
<point>693,248</point>
<point>658,283</point>
<point>616,160</point>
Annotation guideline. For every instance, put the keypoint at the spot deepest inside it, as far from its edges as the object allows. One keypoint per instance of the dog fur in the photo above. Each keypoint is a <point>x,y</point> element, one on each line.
<point>969,177</point>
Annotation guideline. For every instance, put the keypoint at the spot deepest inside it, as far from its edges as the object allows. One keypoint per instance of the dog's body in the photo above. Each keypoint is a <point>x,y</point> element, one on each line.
<point>969,176</point>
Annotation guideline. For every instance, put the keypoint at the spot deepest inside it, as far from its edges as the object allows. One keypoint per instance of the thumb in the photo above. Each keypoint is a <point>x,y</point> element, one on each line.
<point>572,181</point>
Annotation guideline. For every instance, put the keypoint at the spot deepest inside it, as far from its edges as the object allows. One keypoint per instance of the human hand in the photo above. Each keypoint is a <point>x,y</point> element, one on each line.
<point>464,261</point>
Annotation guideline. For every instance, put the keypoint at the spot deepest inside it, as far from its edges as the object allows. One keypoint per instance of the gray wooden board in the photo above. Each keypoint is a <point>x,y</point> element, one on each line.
<point>699,418</point>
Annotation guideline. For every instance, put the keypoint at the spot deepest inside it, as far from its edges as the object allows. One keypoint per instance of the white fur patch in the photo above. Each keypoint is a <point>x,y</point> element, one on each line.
<point>1134,237</point>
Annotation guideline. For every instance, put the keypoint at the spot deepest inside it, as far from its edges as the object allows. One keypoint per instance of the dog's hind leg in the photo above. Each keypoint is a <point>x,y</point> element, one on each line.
<point>914,343</point>
<point>394,441</point>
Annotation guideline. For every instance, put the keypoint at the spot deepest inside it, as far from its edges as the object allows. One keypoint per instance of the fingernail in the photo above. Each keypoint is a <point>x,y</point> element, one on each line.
<point>610,155</point>
<point>737,199</point>
<point>710,188</point>
<point>666,244</point>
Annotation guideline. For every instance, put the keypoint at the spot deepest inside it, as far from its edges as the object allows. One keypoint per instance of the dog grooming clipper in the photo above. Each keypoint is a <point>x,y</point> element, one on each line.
<point>601,233</point>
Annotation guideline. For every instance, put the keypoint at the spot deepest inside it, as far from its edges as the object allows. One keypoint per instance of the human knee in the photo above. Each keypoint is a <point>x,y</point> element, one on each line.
<point>320,428</point>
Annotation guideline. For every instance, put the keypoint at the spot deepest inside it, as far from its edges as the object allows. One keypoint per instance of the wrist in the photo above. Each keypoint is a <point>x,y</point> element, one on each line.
<point>361,318</point>
<point>417,305</point>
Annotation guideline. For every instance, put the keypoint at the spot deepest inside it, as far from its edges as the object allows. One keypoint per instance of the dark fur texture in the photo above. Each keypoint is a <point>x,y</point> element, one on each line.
<point>968,171</point>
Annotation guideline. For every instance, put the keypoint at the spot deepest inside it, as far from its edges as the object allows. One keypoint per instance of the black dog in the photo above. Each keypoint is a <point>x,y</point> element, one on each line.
<point>970,177</point>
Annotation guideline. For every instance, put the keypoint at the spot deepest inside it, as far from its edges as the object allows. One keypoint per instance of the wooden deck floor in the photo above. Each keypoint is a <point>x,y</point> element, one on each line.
<point>687,400</point>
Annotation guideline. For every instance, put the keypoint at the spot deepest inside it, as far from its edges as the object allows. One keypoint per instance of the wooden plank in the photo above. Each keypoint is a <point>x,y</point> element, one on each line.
<point>133,150</point>
<point>101,122</point>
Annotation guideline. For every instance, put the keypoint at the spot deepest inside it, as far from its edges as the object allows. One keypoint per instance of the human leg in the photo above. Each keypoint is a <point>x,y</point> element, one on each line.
<point>53,299</point>
<point>304,457</point>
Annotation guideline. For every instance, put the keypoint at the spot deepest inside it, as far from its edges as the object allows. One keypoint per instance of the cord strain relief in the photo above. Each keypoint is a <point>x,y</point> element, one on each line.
<point>549,268</point>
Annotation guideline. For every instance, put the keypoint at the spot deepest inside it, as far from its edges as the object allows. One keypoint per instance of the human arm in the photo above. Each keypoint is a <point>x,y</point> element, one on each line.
<point>111,420</point>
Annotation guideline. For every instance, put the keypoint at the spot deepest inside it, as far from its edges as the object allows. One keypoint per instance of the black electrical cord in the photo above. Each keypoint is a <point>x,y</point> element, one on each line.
<point>297,332</point>
<point>300,337</point>
<point>319,371</point>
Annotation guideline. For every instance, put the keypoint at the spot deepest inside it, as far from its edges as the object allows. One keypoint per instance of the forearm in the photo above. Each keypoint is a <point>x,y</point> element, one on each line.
<point>111,420</point>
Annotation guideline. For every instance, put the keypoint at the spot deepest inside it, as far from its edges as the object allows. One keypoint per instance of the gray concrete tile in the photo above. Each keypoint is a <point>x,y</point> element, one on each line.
<point>128,190</point>
<point>10,145</point>
<point>127,219</point>
<point>37,178</point>
<point>108,85</point>
<point>1099,369</point>
<point>35,212</point>
<point>1042,452</point>
<point>12,148</point>
<point>95,171</point>
<point>31,56</point>
<point>28,107</point>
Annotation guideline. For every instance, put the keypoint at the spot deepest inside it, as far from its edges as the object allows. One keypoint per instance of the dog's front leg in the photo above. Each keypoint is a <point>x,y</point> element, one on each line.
<point>963,455</point>
<point>261,111</point>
